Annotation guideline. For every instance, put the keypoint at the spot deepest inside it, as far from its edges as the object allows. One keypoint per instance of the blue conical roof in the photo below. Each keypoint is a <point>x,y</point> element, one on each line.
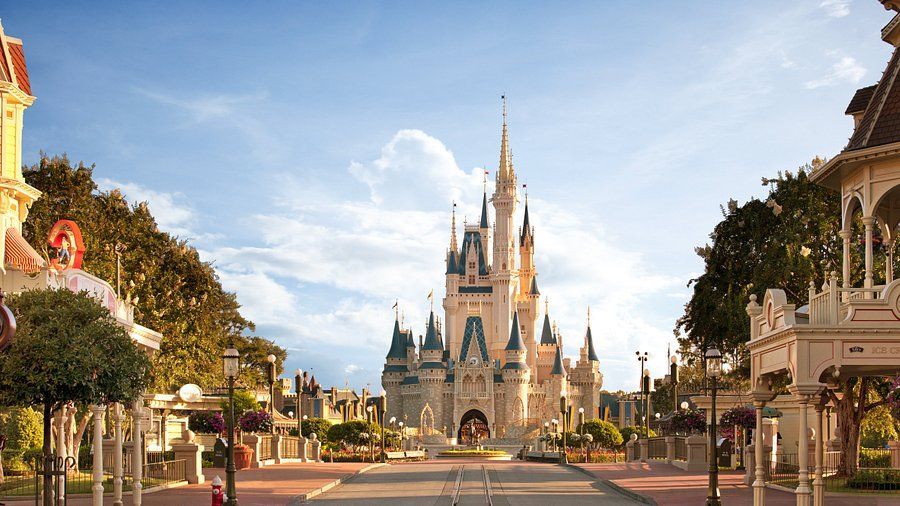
<point>547,333</point>
<point>484,218</point>
<point>431,339</point>
<point>452,267</point>
<point>592,355</point>
<point>398,344</point>
<point>526,225</point>
<point>515,337</point>
<point>534,287</point>
<point>558,367</point>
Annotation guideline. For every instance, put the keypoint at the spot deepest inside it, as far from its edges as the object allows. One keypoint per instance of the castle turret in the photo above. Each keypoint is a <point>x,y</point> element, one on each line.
<point>529,294</point>
<point>432,372</point>
<point>395,370</point>
<point>546,348</point>
<point>516,375</point>
<point>585,378</point>
<point>503,269</point>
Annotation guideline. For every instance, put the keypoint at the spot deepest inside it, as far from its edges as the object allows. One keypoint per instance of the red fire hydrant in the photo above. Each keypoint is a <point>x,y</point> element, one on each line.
<point>218,495</point>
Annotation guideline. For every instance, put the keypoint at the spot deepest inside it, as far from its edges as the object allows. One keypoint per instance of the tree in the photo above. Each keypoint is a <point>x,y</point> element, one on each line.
<point>68,348</point>
<point>243,401</point>
<point>23,429</point>
<point>605,434</point>
<point>254,360</point>
<point>639,430</point>
<point>174,292</point>
<point>317,426</point>
<point>348,433</point>
<point>878,427</point>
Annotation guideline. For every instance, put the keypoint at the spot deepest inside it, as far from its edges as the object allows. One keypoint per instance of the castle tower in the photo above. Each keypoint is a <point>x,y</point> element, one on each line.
<point>16,196</point>
<point>516,375</point>
<point>432,372</point>
<point>546,349</point>
<point>395,371</point>
<point>527,303</point>
<point>503,271</point>
<point>586,379</point>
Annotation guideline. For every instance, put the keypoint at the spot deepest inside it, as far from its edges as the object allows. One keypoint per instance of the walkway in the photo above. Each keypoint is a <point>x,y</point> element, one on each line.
<point>668,485</point>
<point>472,482</point>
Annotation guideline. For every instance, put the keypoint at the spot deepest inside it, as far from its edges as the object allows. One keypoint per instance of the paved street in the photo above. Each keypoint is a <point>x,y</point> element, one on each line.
<point>442,482</point>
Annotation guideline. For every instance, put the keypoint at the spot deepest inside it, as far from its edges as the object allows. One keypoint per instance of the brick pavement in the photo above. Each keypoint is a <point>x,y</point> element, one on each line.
<point>669,485</point>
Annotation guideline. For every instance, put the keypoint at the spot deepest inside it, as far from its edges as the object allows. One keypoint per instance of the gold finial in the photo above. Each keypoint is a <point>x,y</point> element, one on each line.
<point>589,316</point>
<point>546,305</point>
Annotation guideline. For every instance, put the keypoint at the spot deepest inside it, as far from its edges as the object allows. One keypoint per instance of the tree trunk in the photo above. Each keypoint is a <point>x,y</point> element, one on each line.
<point>48,456</point>
<point>76,441</point>
<point>850,410</point>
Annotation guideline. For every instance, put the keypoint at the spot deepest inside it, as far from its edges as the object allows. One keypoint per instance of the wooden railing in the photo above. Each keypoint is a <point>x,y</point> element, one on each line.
<point>829,307</point>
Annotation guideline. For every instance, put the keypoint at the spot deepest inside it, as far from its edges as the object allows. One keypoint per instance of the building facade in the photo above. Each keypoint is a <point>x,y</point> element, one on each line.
<point>492,375</point>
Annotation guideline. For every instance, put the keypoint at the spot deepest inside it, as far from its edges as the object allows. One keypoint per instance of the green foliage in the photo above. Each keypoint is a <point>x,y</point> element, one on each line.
<point>68,348</point>
<point>875,479</point>
<point>605,434</point>
<point>877,428</point>
<point>753,249</point>
<point>640,431</point>
<point>348,433</point>
<point>319,426</point>
<point>254,360</point>
<point>869,457</point>
<point>176,293</point>
<point>24,428</point>
<point>243,401</point>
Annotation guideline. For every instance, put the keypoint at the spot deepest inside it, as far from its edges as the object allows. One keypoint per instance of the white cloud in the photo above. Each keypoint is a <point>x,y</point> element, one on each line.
<point>170,210</point>
<point>847,69</point>
<point>836,8</point>
<point>325,270</point>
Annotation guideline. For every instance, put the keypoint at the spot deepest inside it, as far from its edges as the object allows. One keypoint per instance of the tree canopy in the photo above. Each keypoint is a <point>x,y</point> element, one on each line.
<point>605,434</point>
<point>174,291</point>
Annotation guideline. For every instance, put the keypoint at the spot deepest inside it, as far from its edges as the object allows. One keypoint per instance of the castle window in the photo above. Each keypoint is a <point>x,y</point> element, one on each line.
<point>471,280</point>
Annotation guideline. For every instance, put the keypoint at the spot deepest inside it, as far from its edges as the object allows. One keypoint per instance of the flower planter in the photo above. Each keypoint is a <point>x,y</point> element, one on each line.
<point>243,455</point>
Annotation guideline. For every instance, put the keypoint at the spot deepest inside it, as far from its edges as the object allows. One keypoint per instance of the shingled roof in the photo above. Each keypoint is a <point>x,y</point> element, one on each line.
<point>880,123</point>
<point>860,100</point>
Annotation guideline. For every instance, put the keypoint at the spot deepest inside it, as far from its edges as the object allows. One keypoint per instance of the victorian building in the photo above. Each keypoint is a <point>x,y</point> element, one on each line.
<point>483,365</point>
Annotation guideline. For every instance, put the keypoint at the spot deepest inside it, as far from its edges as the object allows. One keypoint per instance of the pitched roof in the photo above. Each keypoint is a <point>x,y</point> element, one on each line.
<point>410,342</point>
<point>398,343</point>
<point>880,123</point>
<point>484,218</point>
<point>592,355</point>
<point>18,59</point>
<point>526,225</point>
<point>547,333</point>
<point>558,367</point>
<point>515,342</point>
<point>534,288</point>
<point>431,339</point>
<point>474,331</point>
<point>860,100</point>
<point>452,267</point>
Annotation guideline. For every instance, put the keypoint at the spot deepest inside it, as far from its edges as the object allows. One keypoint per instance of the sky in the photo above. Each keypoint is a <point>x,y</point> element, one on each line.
<point>311,150</point>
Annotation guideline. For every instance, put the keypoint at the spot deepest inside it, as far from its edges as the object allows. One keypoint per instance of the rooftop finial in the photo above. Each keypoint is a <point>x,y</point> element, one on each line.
<point>589,316</point>
<point>503,97</point>
<point>505,160</point>
<point>453,228</point>
<point>546,305</point>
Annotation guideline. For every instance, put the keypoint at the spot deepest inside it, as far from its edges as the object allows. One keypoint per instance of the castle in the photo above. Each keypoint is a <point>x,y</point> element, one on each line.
<point>492,377</point>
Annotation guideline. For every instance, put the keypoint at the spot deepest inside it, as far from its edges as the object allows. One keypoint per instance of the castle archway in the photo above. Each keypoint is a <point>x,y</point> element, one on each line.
<point>473,426</point>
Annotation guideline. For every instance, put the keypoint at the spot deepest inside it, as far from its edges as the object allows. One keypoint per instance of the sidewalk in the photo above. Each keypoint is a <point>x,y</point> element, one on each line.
<point>668,485</point>
<point>272,485</point>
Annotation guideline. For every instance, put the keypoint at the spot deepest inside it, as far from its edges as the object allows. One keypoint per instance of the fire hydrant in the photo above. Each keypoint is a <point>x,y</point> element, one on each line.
<point>218,495</point>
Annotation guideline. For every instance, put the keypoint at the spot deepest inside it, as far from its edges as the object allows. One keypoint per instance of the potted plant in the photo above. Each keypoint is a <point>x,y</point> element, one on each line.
<point>243,455</point>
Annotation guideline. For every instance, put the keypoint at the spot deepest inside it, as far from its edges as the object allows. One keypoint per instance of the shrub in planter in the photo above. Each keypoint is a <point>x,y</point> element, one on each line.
<point>875,479</point>
<point>206,422</point>
<point>628,431</point>
<point>874,458</point>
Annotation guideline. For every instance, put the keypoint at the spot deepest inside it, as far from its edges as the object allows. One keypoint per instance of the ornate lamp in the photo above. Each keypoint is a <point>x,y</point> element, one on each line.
<point>271,370</point>
<point>231,367</point>
<point>713,371</point>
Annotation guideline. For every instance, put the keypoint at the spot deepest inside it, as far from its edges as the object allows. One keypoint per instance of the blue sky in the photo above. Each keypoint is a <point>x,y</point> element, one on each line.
<point>312,150</point>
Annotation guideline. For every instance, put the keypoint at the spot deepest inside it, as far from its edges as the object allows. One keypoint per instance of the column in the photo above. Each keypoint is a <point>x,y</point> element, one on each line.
<point>97,488</point>
<point>845,271</point>
<point>759,486</point>
<point>61,452</point>
<point>818,482</point>
<point>889,264</point>
<point>118,418</point>
<point>803,491</point>
<point>137,459</point>
<point>869,223</point>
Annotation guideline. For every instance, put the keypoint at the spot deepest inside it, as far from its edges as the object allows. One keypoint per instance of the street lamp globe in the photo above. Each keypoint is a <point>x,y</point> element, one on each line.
<point>271,358</point>
<point>684,405</point>
<point>290,414</point>
<point>400,424</point>
<point>673,359</point>
<point>393,419</point>
<point>657,416</point>
<point>305,417</point>
<point>647,372</point>
<point>369,408</point>
<point>713,362</point>
<point>581,411</point>
<point>231,363</point>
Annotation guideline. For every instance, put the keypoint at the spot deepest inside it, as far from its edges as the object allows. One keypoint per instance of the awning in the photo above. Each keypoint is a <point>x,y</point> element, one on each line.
<point>20,254</point>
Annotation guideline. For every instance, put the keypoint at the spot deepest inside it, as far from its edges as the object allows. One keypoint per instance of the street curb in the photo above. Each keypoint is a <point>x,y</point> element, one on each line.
<point>303,498</point>
<point>611,484</point>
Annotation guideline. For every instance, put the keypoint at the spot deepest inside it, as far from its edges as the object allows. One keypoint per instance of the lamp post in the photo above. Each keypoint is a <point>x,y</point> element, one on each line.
<point>646,407</point>
<point>401,435</point>
<point>581,428</point>
<point>546,434</point>
<point>564,408</point>
<point>369,410</point>
<point>271,369</point>
<point>383,407</point>
<point>393,423</point>
<point>642,358</point>
<point>555,423</point>
<point>231,365</point>
<point>713,371</point>
<point>673,378</point>
<point>298,385</point>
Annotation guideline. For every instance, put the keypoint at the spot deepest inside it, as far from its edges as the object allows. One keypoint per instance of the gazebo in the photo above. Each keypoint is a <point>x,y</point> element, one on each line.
<point>846,331</point>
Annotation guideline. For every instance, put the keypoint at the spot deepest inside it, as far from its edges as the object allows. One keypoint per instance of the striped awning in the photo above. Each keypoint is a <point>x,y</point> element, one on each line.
<point>20,254</point>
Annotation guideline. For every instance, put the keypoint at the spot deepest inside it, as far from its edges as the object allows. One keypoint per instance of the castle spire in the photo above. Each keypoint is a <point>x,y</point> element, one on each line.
<point>453,246</point>
<point>431,336</point>
<point>484,215</point>
<point>397,343</point>
<point>526,223</point>
<point>589,340</point>
<point>515,342</point>
<point>505,171</point>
